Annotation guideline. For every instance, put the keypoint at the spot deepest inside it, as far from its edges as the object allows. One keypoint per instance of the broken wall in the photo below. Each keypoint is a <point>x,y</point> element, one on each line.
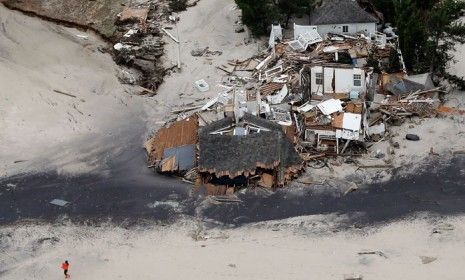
<point>343,81</point>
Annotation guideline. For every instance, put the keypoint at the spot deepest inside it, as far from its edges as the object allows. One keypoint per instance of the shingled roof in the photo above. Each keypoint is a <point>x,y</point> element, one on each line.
<point>340,12</point>
<point>230,155</point>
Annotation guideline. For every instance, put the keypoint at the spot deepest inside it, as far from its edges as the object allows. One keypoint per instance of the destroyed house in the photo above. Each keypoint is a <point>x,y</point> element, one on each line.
<point>173,148</point>
<point>401,84</point>
<point>342,17</point>
<point>231,153</point>
<point>329,125</point>
<point>333,78</point>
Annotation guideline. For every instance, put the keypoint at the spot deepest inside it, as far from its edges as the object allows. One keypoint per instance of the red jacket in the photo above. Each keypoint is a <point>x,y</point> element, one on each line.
<point>65,266</point>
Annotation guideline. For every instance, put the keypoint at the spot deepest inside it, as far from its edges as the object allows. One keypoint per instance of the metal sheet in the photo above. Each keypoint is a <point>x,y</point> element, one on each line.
<point>185,156</point>
<point>59,202</point>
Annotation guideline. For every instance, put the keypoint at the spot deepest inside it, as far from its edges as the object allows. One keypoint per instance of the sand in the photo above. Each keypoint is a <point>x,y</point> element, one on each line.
<point>299,248</point>
<point>211,24</point>
<point>50,131</point>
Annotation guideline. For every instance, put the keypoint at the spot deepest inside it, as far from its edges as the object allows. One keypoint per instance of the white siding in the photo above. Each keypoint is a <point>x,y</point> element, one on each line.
<point>344,80</point>
<point>316,89</point>
<point>354,28</point>
<point>301,29</point>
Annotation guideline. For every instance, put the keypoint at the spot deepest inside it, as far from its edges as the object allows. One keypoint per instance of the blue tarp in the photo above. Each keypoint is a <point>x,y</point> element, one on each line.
<point>185,156</point>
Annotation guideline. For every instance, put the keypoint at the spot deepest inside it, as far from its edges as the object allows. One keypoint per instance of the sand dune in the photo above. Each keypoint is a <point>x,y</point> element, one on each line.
<point>48,130</point>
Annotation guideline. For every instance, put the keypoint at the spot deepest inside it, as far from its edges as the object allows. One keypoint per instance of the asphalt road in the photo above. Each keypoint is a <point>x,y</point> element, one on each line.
<point>131,190</point>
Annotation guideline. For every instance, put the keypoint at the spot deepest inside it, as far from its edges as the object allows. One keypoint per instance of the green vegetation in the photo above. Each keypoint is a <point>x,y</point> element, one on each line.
<point>177,5</point>
<point>258,15</point>
<point>393,64</point>
<point>428,32</point>
<point>288,8</point>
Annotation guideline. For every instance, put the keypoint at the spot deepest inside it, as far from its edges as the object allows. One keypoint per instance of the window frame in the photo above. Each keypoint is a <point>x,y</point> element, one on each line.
<point>357,80</point>
<point>345,29</point>
<point>319,78</point>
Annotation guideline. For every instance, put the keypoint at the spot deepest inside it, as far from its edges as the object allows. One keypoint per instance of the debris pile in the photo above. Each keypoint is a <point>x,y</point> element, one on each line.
<point>304,100</point>
<point>140,46</point>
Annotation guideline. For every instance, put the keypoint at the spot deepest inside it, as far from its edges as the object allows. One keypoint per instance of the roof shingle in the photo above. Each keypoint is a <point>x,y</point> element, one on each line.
<point>339,12</point>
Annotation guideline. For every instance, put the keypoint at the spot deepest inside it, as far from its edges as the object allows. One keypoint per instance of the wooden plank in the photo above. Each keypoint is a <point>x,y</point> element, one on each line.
<point>170,35</point>
<point>64,93</point>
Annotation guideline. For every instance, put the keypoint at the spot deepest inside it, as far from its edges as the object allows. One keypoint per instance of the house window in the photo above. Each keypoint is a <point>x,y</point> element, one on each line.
<point>357,80</point>
<point>345,28</point>
<point>319,78</point>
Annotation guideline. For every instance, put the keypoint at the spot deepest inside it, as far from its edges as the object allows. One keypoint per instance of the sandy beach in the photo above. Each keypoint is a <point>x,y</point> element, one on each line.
<point>299,248</point>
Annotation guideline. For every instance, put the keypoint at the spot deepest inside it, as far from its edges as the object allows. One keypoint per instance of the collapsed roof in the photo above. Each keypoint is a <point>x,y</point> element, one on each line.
<point>175,139</point>
<point>405,85</point>
<point>339,12</point>
<point>235,155</point>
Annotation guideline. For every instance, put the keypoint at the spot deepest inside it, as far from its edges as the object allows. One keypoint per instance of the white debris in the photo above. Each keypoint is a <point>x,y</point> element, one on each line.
<point>279,97</point>
<point>304,38</point>
<point>305,108</point>
<point>274,71</point>
<point>276,33</point>
<point>59,202</point>
<point>379,39</point>
<point>10,187</point>
<point>281,79</point>
<point>120,46</point>
<point>85,37</point>
<point>347,134</point>
<point>264,107</point>
<point>202,85</point>
<point>296,45</point>
<point>352,121</point>
<point>169,203</point>
<point>310,38</point>
<point>222,98</point>
<point>330,106</point>
<point>264,62</point>
<point>281,117</point>
<point>330,49</point>
<point>170,35</point>
<point>302,29</point>
<point>210,103</point>
<point>130,33</point>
